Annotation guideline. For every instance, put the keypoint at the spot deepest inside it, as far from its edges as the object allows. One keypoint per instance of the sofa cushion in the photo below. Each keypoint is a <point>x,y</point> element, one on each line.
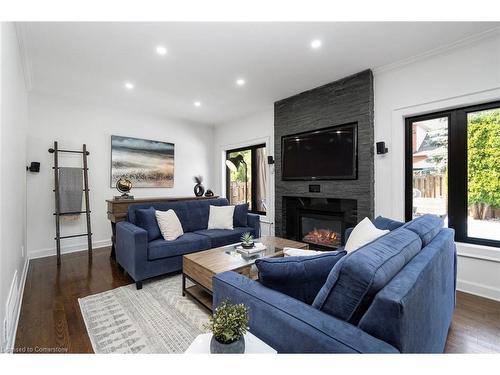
<point>170,226</point>
<point>198,212</point>
<point>300,277</point>
<point>362,234</point>
<point>146,219</point>
<point>221,217</point>
<point>385,223</point>
<point>185,244</point>
<point>240,215</point>
<point>223,237</point>
<point>426,226</point>
<point>358,276</point>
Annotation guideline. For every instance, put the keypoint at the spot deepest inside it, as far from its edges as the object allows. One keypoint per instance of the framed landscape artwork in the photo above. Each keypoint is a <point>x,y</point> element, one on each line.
<point>144,162</point>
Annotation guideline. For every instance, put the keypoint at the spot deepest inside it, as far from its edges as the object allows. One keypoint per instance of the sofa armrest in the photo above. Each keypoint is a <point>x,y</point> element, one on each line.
<point>254,222</point>
<point>131,247</point>
<point>291,326</point>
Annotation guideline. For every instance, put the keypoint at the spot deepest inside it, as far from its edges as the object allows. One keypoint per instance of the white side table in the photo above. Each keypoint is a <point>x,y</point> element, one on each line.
<point>253,345</point>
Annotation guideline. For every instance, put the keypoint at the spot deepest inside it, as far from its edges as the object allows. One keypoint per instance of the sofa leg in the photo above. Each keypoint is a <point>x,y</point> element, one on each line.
<point>138,285</point>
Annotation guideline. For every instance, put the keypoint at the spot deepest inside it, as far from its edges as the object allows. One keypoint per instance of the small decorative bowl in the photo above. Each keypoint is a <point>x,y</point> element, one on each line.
<point>247,245</point>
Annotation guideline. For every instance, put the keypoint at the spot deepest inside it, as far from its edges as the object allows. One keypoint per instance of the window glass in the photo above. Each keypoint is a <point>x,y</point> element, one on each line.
<point>247,177</point>
<point>483,174</point>
<point>430,167</point>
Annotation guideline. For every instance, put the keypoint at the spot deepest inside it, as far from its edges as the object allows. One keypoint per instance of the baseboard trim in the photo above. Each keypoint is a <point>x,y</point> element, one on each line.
<point>42,253</point>
<point>19,301</point>
<point>477,289</point>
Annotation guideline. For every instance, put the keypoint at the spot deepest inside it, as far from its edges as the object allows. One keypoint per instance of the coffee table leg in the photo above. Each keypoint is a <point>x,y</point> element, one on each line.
<point>183,285</point>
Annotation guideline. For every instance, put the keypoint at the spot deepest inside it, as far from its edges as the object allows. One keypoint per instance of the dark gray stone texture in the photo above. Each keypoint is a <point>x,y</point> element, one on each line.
<point>344,101</point>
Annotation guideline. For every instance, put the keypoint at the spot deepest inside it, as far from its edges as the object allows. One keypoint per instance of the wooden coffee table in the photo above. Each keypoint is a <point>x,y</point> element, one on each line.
<point>200,267</point>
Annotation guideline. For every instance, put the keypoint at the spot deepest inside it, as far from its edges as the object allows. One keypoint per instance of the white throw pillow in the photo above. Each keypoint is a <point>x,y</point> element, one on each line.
<point>170,226</point>
<point>221,217</point>
<point>362,234</point>
<point>293,252</point>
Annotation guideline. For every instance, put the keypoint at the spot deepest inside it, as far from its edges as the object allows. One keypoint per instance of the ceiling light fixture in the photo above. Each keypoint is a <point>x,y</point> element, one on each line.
<point>240,82</point>
<point>129,85</point>
<point>316,43</point>
<point>197,104</point>
<point>160,50</point>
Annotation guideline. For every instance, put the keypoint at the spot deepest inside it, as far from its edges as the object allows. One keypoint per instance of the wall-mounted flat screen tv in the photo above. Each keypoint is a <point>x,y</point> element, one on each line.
<point>324,154</point>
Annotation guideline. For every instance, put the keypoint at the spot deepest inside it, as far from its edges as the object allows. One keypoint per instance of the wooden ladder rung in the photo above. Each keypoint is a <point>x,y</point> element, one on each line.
<point>73,235</point>
<point>71,213</point>
<point>54,190</point>
<point>85,169</point>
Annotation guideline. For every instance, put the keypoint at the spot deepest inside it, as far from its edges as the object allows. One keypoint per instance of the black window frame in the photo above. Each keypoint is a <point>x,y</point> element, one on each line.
<point>253,178</point>
<point>457,168</point>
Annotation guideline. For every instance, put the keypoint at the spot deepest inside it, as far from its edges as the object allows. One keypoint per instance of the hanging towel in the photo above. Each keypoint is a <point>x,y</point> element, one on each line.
<point>70,189</point>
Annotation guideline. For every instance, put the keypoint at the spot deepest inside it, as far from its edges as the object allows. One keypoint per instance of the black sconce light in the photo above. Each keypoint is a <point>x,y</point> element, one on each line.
<point>34,167</point>
<point>381,149</point>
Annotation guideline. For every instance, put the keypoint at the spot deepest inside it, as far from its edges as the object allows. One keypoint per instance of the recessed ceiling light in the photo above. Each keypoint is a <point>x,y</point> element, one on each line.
<point>316,43</point>
<point>129,85</point>
<point>160,50</point>
<point>197,104</point>
<point>240,82</point>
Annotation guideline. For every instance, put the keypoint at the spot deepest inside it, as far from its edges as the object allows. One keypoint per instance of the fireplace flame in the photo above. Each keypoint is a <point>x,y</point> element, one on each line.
<point>323,237</point>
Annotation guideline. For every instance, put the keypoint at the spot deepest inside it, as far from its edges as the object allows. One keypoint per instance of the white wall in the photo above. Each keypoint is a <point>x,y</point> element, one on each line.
<point>252,130</point>
<point>73,123</point>
<point>465,75</point>
<point>13,109</point>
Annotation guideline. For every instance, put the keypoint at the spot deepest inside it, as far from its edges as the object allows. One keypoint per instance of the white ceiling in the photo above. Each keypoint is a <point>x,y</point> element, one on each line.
<point>93,60</point>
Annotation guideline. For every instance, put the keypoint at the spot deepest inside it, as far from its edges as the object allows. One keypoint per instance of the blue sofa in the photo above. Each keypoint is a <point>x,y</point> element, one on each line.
<point>393,295</point>
<point>142,251</point>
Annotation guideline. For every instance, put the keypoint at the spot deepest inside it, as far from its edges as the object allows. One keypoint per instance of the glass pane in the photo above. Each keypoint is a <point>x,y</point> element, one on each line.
<point>240,183</point>
<point>261,183</point>
<point>483,165</point>
<point>430,167</point>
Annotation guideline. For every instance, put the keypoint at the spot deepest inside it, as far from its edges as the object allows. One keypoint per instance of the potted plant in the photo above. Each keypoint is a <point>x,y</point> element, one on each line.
<point>228,325</point>
<point>247,241</point>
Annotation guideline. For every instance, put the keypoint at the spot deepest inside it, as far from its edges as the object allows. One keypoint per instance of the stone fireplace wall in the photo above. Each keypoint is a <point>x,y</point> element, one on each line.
<point>344,101</point>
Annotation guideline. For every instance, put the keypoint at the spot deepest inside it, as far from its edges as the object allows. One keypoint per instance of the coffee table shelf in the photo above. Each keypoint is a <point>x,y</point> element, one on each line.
<point>199,268</point>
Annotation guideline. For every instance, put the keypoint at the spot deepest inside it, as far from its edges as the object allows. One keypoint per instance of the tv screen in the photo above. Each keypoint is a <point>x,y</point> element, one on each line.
<point>325,154</point>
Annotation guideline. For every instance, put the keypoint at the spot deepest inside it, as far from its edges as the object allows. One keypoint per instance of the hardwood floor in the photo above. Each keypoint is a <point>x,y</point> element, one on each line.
<point>51,322</point>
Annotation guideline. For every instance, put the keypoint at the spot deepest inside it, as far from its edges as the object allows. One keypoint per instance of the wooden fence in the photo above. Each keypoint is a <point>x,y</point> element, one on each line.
<point>430,186</point>
<point>237,192</point>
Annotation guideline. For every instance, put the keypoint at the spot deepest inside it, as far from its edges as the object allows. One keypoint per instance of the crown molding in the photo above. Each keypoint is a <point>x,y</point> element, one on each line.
<point>22,39</point>
<point>471,40</point>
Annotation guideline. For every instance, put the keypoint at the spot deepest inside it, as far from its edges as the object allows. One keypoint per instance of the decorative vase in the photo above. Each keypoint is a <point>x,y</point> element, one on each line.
<point>199,190</point>
<point>237,347</point>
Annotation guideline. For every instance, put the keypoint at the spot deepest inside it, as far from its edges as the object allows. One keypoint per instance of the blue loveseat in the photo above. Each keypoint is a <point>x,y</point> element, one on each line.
<point>393,295</point>
<point>142,251</point>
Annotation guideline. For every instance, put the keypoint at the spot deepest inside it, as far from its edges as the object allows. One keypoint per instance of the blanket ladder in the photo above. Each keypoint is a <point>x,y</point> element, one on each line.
<point>57,214</point>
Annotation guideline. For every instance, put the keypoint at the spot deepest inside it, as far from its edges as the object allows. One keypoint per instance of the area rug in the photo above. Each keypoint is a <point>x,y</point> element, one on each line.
<point>155,319</point>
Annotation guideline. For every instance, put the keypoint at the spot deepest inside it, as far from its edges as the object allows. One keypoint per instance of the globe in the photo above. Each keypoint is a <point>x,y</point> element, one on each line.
<point>123,186</point>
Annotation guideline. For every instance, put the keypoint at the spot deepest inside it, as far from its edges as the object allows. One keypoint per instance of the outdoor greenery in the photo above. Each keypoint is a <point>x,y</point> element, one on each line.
<point>239,175</point>
<point>483,147</point>
<point>229,322</point>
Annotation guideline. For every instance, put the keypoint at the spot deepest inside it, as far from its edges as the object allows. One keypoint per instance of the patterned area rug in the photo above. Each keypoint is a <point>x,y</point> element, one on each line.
<point>156,319</point>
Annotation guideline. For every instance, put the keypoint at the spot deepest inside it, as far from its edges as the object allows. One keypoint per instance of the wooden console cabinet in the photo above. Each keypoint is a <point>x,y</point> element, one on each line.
<point>118,208</point>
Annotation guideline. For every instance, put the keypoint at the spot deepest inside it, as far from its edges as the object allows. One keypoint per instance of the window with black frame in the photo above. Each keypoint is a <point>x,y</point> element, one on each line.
<point>453,170</point>
<point>246,177</point>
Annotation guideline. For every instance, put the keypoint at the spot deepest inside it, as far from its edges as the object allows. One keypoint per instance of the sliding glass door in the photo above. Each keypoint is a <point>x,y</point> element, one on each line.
<point>246,177</point>
<point>453,170</point>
